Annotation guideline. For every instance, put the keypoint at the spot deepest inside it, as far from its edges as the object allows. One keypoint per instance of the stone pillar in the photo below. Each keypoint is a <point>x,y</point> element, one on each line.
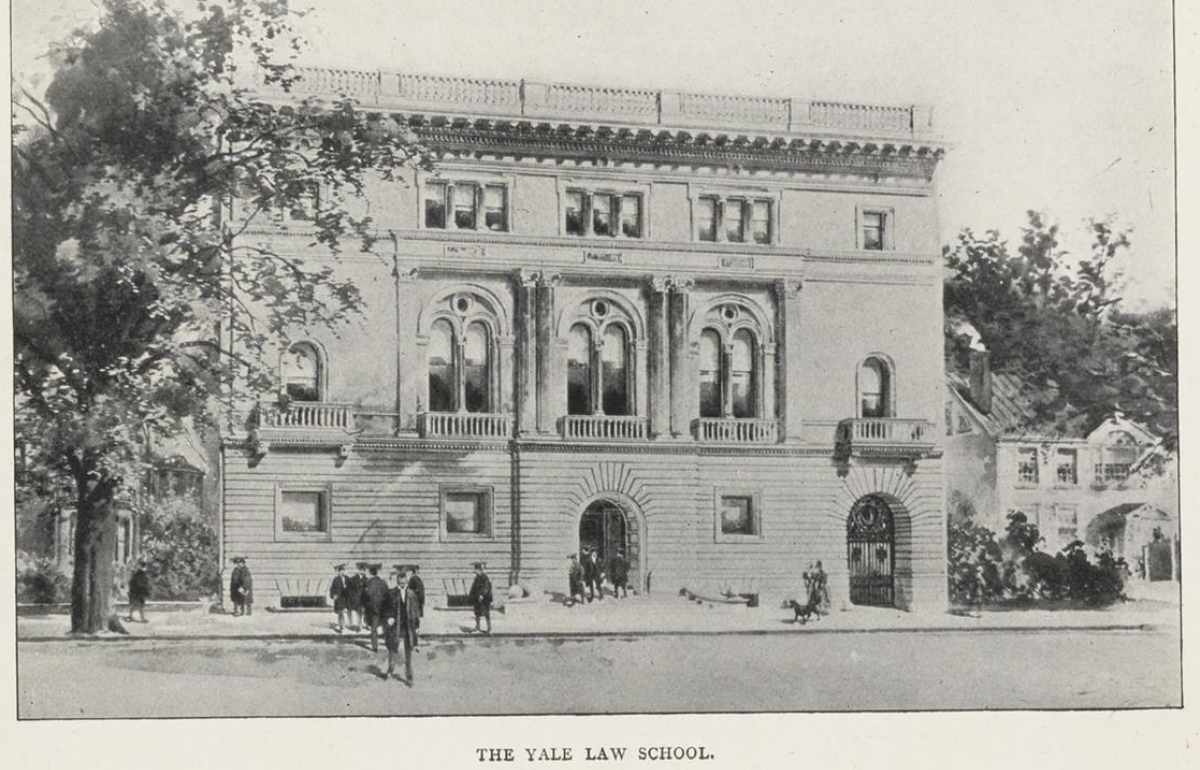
<point>658,363</point>
<point>505,358</point>
<point>766,383</point>
<point>525,283</point>
<point>544,321</point>
<point>410,366</point>
<point>790,372</point>
<point>681,385</point>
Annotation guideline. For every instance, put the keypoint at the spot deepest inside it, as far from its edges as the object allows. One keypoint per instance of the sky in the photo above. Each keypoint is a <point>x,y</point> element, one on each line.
<point>1059,106</point>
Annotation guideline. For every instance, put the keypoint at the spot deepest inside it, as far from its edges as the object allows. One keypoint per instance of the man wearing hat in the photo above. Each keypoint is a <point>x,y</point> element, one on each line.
<point>575,578</point>
<point>398,609</point>
<point>418,587</point>
<point>139,591</point>
<point>618,573</point>
<point>241,587</point>
<point>337,592</point>
<point>593,574</point>
<point>374,595</point>
<point>354,590</point>
<point>481,597</point>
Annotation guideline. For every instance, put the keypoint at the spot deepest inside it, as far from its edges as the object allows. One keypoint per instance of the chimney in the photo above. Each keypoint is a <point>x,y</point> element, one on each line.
<point>981,380</point>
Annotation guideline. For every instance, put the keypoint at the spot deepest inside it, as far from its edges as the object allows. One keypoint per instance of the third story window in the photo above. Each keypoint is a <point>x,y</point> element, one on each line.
<point>874,230</point>
<point>734,220</point>
<point>457,206</point>
<point>603,214</point>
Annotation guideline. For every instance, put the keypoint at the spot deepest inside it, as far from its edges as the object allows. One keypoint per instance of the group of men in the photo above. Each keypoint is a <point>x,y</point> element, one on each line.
<point>364,598</point>
<point>590,575</point>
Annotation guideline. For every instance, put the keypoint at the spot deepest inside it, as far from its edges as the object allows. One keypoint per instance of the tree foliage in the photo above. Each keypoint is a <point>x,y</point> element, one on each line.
<point>128,266</point>
<point>1061,328</point>
<point>180,548</point>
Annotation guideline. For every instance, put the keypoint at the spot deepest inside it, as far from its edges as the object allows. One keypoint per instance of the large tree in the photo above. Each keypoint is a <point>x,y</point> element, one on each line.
<point>1060,325</point>
<point>129,272</point>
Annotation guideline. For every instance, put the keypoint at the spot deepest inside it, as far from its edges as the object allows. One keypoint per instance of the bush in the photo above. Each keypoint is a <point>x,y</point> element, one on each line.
<point>40,581</point>
<point>180,549</point>
<point>975,564</point>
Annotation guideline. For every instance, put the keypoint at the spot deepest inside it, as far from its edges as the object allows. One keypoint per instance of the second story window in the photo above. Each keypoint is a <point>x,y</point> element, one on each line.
<point>1067,470</point>
<point>302,372</point>
<point>459,367</point>
<point>454,205</point>
<point>598,371</point>
<point>591,213</point>
<point>1115,460</point>
<point>728,375</point>
<point>875,229</point>
<point>1027,465</point>
<point>874,388</point>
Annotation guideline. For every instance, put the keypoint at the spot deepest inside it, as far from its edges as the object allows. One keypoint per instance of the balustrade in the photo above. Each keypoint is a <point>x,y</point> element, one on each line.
<point>465,425</point>
<point>306,416</point>
<point>605,427</point>
<point>737,430</point>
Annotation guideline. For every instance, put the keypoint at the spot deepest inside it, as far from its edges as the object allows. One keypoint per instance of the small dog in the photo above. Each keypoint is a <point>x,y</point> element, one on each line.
<point>803,611</point>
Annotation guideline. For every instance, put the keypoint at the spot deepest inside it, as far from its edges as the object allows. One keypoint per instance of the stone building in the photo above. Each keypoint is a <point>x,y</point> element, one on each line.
<point>702,330</point>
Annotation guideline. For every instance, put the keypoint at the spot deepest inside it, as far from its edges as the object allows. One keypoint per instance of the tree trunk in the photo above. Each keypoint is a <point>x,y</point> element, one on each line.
<point>92,606</point>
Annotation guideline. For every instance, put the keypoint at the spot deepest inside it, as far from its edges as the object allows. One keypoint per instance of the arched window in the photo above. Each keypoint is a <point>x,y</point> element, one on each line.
<point>741,374</point>
<point>476,368</point>
<point>874,389</point>
<point>579,370</point>
<point>614,360</point>
<point>710,373</point>
<point>302,372</point>
<point>442,388</point>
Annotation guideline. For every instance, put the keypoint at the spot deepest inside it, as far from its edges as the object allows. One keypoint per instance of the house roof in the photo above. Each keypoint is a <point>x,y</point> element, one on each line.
<point>1012,413</point>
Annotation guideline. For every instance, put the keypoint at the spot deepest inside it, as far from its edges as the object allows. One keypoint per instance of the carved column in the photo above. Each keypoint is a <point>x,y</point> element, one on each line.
<point>503,387</point>
<point>765,384</point>
<point>658,365</point>
<point>790,371</point>
<point>545,347</point>
<point>682,384</point>
<point>410,366</point>
<point>525,285</point>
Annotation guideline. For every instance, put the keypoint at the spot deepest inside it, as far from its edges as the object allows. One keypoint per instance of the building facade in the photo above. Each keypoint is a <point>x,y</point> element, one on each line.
<point>701,330</point>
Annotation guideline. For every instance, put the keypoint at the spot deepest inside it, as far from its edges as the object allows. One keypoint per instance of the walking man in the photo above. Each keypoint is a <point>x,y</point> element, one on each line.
<point>481,597</point>
<point>337,592</point>
<point>575,578</point>
<point>593,574</point>
<point>418,587</point>
<point>354,588</point>
<point>139,591</point>
<point>397,609</point>
<point>241,587</point>
<point>374,595</point>
<point>618,573</point>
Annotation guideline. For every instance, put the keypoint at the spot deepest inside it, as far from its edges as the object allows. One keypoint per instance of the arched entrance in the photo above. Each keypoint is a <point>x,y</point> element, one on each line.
<point>871,550</point>
<point>612,523</point>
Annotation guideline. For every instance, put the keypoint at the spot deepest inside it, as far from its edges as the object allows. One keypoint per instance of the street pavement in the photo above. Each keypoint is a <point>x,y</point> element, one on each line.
<point>902,670</point>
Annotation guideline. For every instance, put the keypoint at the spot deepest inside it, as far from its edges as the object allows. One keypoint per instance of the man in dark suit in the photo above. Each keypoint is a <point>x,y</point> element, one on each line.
<point>337,592</point>
<point>374,594</point>
<point>618,573</point>
<point>418,587</point>
<point>398,608</point>
<point>481,597</point>
<point>354,589</point>
<point>575,578</point>
<point>241,587</point>
<point>593,574</point>
<point>139,591</point>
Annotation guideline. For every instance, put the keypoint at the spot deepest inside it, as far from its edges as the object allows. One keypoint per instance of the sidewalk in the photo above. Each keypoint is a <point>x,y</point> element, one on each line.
<point>658,615</point>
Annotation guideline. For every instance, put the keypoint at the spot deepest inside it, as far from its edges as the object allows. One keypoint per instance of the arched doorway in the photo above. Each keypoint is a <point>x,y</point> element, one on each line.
<point>604,527</point>
<point>871,550</point>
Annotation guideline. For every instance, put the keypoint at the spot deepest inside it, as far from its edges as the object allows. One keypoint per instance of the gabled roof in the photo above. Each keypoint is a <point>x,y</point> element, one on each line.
<point>1013,413</point>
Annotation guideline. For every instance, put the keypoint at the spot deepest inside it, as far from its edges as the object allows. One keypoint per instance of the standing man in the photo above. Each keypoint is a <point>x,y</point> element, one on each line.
<point>337,592</point>
<point>139,591</point>
<point>481,597</point>
<point>374,595</point>
<point>618,573</point>
<point>241,587</point>
<point>397,609</point>
<point>354,595</point>
<point>575,578</point>
<point>593,574</point>
<point>418,587</point>
<point>821,586</point>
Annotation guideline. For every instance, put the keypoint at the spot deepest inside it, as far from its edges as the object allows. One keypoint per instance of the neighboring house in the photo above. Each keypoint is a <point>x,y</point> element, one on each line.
<point>586,328</point>
<point>1110,487</point>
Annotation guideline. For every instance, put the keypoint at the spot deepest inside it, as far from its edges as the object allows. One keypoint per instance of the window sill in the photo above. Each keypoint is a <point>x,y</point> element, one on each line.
<point>739,539</point>
<point>303,537</point>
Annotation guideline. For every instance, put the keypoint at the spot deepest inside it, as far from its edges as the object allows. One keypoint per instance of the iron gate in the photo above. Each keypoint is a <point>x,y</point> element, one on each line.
<point>870,548</point>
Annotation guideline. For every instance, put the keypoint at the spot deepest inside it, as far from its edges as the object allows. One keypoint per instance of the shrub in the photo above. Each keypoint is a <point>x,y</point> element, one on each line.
<point>40,581</point>
<point>180,549</point>
<point>974,564</point>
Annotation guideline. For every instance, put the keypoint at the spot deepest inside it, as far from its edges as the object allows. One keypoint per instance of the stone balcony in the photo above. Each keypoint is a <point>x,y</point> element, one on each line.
<point>464,425</point>
<point>713,430</point>
<point>885,436</point>
<point>530,100</point>
<point>599,427</point>
<point>312,423</point>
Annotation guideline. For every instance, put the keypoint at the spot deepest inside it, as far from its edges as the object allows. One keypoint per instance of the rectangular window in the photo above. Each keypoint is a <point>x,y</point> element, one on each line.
<point>1068,467</point>
<point>874,230</point>
<point>495,208</point>
<point>464,206</point>
<point>466,513</point>
<point>1066,518</point>
<point>574,212</point>
<point>737,515</point>
<point>734,221</point>
<point>631,216</point>
<point>435,205</point>
<point>760,221</point>
<point>302,512</point>
<point>706,219</point>
<point>1027,465</point>
<point>602,215</point>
